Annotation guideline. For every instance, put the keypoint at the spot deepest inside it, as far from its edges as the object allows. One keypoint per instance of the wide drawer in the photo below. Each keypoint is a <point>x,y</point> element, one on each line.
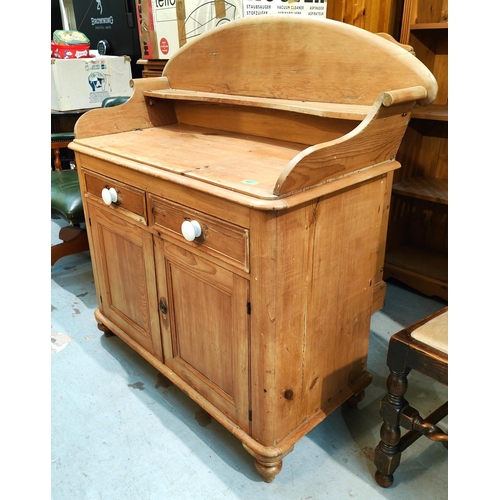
<point>219,238</point>
<point>131,201</point>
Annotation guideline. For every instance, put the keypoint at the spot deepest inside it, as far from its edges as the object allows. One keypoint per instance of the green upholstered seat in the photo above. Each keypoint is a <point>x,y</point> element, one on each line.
<point>66,200</point>
<point>66,197</point>
<point>107,102</point>
<point>62,136</point>
<point>67,204</point>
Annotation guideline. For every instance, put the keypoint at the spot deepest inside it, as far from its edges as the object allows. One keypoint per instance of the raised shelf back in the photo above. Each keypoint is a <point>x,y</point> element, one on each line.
<point>343,65</point>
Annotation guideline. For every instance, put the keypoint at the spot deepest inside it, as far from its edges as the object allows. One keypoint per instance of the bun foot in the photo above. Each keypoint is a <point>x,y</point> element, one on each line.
<point>353,401</point>
<point>107,332</point>
<point>268,467</point>
<point>268,470</point>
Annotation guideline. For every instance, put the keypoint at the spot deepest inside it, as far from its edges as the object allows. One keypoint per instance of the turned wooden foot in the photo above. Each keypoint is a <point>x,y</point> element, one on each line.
<point>268,469</point>
<point>107,332</point>
<point>353,401</point>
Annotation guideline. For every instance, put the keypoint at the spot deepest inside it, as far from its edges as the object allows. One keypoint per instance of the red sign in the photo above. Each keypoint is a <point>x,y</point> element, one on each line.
<point>164,46</point>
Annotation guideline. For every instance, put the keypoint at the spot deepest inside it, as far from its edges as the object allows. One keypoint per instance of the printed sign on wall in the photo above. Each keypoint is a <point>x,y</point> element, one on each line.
<point>296,7</point>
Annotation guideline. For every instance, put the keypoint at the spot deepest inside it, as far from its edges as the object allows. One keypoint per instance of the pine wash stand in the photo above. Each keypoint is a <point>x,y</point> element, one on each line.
<point>235,208</point>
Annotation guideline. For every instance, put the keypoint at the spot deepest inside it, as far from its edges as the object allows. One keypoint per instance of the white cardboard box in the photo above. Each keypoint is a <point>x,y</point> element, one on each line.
<point>166,25</point>
<point>84,83</point>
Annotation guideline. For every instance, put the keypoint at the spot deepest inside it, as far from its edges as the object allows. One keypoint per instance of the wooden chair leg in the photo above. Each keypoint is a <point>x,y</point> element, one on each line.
<point>421,347</point>
<point>57,159</point>
<point>56,146</point>
<point>388,451</point>
<point>75,240</point>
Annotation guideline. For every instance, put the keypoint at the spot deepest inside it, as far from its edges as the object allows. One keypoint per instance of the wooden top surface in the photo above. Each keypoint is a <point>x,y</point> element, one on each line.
<point>247,164</point>
<point>321,68</point>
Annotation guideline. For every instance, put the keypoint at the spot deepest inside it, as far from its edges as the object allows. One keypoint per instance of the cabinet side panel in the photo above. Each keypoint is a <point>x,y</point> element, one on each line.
<point>295,256</point>
<point>346,242</point>
<point>323,303</point>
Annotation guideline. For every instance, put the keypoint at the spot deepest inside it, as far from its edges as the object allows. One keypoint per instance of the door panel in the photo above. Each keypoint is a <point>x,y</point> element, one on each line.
<point>205,328</point>
<point>127,287</point>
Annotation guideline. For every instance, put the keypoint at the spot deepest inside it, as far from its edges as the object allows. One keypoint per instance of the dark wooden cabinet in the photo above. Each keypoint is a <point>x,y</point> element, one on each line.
<point>417,240</point>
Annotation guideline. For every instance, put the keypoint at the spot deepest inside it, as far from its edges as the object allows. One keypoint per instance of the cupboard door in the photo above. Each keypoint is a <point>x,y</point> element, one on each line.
<point>205,328</point>
<point>124,257</point>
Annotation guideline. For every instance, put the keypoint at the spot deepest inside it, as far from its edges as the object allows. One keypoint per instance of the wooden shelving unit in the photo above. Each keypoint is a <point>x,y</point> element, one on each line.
<point>437,112</point>
<point>417,242</point>
<point>423,188</point>
<point>152,67</point>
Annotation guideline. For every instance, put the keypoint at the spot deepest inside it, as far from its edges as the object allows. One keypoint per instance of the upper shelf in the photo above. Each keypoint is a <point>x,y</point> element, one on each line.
<point>429,26</point>
<point>323,109</point>
<point>268,124</point>
<point>423,188</point>
<point>437,112</point>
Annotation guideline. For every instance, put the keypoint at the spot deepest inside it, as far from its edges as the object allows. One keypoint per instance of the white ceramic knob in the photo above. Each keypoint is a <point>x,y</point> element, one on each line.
<point>109,195</point>
<point>191,229</point>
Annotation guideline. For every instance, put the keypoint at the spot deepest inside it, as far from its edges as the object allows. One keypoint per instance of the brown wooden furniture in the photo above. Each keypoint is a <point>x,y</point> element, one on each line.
<point>62,124</point>
<point>236,215</point>
<point>152,67</point>
<point>66,204</point>
<point>417,241</point>
<point>66,198</point>
<point>375,16</point>
<point>58,142</point>
<point>64,121</point>
<point>422,347</point>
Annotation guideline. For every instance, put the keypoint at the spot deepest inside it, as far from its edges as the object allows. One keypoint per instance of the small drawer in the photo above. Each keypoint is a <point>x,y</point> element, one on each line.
<point>219,238</point>
<point>130,200</point>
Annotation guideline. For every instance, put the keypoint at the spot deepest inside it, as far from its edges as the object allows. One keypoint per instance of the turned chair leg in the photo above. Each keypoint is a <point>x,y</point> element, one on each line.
<point>388,451</point>
<point>422,347</point>
<point>57,159</point>
<point>396,413</point>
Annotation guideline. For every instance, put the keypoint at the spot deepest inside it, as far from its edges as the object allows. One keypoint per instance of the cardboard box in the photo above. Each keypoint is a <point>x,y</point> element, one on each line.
<point>84,83</point>
<point>166,25</point>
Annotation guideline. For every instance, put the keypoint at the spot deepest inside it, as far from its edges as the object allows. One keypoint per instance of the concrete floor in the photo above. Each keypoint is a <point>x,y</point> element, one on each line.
<point>120,431</point>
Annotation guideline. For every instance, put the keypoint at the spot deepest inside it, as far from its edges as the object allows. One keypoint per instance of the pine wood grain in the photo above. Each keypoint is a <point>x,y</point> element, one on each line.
<point>264,318</point>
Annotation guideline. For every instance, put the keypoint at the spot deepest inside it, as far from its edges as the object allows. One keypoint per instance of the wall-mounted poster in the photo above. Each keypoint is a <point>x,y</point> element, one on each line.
<point>296,7</point>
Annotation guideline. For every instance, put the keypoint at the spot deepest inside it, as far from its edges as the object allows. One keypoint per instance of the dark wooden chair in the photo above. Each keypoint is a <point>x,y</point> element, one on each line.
<point>423,347</point>
<point>66,203</point>
<point>66,199</point>
<point>59,140</point>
